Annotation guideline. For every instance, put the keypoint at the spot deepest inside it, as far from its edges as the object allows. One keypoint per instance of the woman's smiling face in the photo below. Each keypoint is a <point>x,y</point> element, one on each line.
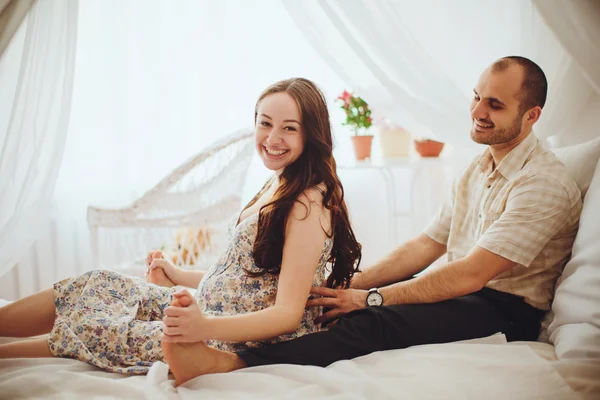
<point>279,135</point>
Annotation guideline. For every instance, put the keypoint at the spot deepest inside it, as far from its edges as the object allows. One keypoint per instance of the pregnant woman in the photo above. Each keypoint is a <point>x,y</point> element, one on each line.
<point>293,235</point>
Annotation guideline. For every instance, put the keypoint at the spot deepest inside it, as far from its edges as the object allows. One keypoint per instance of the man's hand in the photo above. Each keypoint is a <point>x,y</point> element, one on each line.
<point>357,281</point>
<point>340,301</point>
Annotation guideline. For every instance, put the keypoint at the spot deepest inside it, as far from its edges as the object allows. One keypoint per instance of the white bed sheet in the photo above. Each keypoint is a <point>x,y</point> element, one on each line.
<point>485,368</point>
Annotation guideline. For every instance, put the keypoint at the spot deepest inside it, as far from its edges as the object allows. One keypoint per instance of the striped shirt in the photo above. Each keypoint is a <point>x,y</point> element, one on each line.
<point>525,210</point>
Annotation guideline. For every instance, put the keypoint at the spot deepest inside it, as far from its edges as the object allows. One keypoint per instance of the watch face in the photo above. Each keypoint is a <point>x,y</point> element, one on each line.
<point>374,299</point>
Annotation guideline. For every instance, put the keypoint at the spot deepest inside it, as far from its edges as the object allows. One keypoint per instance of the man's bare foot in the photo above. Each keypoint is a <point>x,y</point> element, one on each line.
<point>158,277</point>
<point>189,360</point>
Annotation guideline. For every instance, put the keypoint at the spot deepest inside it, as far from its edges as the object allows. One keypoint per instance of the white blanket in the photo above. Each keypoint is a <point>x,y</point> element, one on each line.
<point>475,370</point>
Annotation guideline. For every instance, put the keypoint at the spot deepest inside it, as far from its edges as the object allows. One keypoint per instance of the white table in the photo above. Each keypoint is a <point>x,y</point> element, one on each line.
<point>385,168</point>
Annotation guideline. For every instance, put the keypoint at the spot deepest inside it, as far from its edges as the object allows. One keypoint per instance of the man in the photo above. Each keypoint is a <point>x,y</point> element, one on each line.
<point>508,228</point>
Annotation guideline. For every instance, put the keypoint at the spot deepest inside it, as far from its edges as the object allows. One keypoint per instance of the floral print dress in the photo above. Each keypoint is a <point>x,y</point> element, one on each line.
<point>113,321</point>
<point>226,289</point>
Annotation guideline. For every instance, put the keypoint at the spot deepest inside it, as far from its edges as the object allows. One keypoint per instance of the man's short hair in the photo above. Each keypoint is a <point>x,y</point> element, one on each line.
<point>534,87</point>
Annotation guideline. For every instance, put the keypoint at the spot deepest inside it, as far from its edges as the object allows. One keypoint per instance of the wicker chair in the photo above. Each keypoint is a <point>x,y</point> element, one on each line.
<point>185,214</point>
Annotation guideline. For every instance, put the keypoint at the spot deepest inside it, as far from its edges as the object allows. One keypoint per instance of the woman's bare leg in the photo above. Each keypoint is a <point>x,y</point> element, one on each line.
<point>189,360</point>
<point>31,316</point>
<point>32,348</point>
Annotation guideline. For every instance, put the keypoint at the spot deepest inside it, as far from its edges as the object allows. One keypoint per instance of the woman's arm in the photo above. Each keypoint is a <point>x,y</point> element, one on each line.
<point>302,249</point>
<point>188,278</point>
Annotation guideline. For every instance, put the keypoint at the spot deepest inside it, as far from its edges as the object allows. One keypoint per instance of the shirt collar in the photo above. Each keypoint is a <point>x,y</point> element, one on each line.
<point>514,160</point>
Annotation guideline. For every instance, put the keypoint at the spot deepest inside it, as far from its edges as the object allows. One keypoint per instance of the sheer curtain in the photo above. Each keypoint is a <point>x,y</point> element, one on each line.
<point>156,81</point>
<point>161,80</point>
<point>36,77</point>
<point>576,25</point>
<point>417,62</point>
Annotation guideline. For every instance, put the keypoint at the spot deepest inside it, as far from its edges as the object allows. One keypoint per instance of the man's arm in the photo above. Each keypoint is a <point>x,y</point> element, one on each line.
<point>457,278</point>
<point>413,256</point>
<point>536,210</point>
<point>407,260</point>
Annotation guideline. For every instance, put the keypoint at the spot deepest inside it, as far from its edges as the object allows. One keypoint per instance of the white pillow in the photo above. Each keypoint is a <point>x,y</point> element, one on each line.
<point>575,329</point>
<point>580,161</point>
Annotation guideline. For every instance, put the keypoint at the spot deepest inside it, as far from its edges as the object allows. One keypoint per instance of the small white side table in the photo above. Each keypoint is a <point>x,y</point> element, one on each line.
<point>386,168</point>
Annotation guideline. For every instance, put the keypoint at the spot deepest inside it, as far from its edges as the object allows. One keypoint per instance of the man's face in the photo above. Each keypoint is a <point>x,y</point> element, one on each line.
<point>495,114</point>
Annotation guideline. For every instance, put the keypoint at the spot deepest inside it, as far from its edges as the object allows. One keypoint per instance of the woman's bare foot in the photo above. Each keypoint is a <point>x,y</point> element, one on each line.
<point>189,360</point>
<point>158,277</point>
<point>182,301</point>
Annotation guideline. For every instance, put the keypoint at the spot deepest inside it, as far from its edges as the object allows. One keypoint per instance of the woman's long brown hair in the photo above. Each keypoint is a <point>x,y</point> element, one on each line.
<point>315,166</point>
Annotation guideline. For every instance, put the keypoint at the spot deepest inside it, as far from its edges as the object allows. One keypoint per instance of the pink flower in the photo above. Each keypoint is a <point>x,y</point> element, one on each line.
<point>369,119</point>
<point>346,97</point>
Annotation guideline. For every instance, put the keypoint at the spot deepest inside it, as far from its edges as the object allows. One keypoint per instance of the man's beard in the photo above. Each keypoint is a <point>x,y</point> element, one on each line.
<point>498,136</point>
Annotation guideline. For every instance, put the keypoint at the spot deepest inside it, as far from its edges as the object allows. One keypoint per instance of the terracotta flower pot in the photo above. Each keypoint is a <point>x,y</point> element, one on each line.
<point>362,146</point>
<point>429,148</point>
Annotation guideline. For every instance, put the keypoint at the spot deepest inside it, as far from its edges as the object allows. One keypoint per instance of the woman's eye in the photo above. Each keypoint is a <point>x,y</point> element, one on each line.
<point>290,128</point>
<point>264,123</point>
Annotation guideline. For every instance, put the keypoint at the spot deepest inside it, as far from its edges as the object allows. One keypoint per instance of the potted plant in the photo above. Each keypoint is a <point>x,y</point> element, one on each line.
<point>358,116</point>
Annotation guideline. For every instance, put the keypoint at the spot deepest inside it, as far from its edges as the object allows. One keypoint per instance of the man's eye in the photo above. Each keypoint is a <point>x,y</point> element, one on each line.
<point>495,107</point>
<point>476,97</point>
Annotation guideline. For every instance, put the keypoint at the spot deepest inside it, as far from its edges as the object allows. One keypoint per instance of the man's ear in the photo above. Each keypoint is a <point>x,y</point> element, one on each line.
<point>534,114</point>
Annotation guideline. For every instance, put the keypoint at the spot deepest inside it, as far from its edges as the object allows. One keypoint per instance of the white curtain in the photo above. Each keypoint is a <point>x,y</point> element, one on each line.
<point>161,80</point>
<point>156,81</point>
<point>576,25</point>
<point>36,77</point>
<point>417,62</point>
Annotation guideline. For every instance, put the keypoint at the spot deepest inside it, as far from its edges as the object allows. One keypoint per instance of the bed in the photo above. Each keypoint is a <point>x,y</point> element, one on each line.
<point>563,364</point>
<point>485,368</point>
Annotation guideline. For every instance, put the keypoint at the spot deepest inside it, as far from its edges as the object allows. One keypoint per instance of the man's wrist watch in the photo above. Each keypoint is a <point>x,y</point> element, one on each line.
<point>374,298</point>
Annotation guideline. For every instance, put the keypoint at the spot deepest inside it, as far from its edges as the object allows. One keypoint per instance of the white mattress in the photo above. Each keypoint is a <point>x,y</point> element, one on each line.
<point>485,368</point>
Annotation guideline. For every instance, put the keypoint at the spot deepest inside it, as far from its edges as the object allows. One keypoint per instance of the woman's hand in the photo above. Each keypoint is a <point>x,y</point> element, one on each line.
<point>152,255</point>
<point>160,271</point>
<point>184,323</point>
